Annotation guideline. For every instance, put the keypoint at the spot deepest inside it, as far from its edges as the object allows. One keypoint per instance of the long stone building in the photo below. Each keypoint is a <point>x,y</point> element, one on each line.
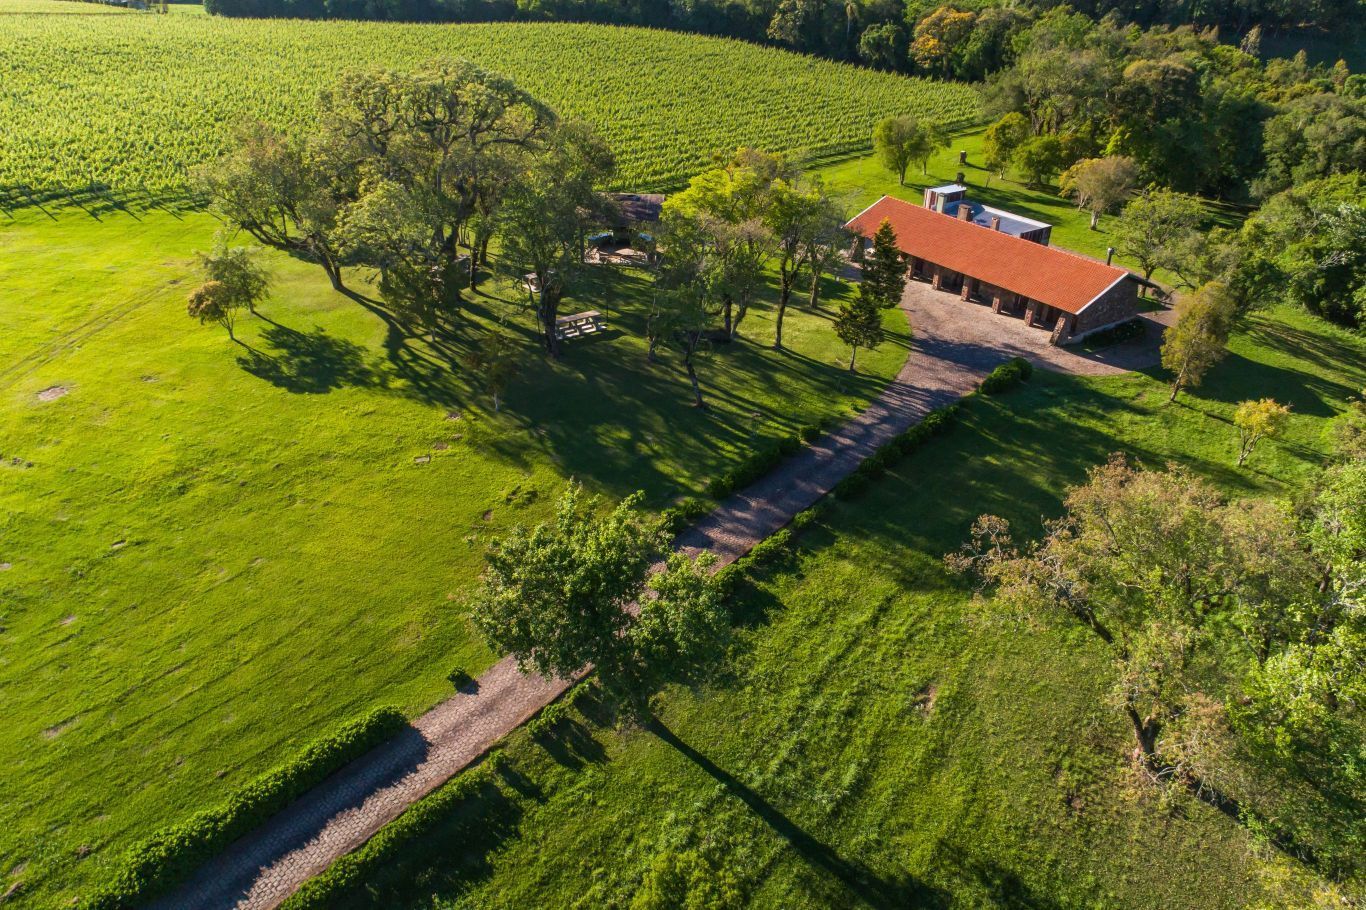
<point>1068,295</point>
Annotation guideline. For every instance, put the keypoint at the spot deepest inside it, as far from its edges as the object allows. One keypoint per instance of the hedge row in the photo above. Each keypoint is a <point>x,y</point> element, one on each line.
<point>552,714</point>
<point>162,861</point>
<point>350,873</point>
<point>1006,376</point>
<point>875,465</point>
<point>761,462</point>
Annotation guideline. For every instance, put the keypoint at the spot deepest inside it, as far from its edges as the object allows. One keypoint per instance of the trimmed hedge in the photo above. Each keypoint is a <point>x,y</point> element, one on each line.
<point>1006,376</point>
<point>678,518</point>
<point>350,873</point>
<point>162,861</point>
<point>552,714</point>
<point>764,460</point>
<point>875,465</point>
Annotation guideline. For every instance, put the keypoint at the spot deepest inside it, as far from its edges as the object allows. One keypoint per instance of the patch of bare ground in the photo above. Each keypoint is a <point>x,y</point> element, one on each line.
<point>923,700</point>
<point>52,393</point>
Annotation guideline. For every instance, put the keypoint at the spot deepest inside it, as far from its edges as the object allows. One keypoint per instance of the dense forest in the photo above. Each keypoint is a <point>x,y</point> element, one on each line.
<point>904,35</point>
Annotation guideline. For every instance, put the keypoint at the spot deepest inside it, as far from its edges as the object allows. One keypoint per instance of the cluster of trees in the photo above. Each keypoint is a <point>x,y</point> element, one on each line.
<point>413,175</point>
<point>1237,637</point>
<point>965,40</point>
<point>1188,112</point>
<point>722,235</point>
<point>416,177</point>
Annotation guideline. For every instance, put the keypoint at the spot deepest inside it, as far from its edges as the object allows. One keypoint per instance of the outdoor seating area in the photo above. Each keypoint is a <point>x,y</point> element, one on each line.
<point>579,324</point>
<point>622,255</point>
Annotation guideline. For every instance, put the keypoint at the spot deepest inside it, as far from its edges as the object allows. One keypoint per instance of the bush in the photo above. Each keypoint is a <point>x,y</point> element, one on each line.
<point>552,714</point>
<point>165,859</point>
<point>678,518</point>
<point>887,455</point>
<point>1124,331</point>
<point>1007,376</point>
<point>352,871</point>
<point>809,433</point>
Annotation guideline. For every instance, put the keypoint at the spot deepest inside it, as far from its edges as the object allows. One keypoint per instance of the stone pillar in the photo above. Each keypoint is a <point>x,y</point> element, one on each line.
<point>915,265</point>
<point>1062,329</point>
<point>969,285</point>
<point>937,281</point>
<point>996,303</point>
<point>1030,309</point>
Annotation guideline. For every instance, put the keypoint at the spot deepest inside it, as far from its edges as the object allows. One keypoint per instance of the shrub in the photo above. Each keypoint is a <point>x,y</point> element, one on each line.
<point>1007,376</point>
<point>809,433</point>
<point>163,860</point>
<point>678,518</point>
<point>352,871</point>
<point>552,714</point>
<point>900,445</point>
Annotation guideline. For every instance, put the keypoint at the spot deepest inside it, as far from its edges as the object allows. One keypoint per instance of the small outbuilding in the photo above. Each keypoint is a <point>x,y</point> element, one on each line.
<point>1064,293</point>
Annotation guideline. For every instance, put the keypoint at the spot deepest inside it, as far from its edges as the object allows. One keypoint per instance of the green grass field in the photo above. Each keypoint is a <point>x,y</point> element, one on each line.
<point>131,101</point>
<point>213,556</point>
<point>878,743</point>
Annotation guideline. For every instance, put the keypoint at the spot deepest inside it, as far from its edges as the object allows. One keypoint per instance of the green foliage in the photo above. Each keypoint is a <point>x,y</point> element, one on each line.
<point>162,861</point>
<point>901,141</point>
<point>197,77</point>
<point>350,873</point>
<point>1156,229</point>
<point>1306,245</point>
<point>1199,337</point>
<point>688,880</point>
<point>1127,330</point>
<point>883,279</point>
<point>1007,376</point>
<point>903,444</point>
<point>1039,158</point>
<point>1255,421</point>
<point>1002,139</point>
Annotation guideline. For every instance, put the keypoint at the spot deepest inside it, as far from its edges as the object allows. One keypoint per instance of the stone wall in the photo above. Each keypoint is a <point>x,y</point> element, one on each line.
<point>1115,305</point>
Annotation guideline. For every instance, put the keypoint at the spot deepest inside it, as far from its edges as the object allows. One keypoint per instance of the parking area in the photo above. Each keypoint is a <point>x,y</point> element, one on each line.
<point>944,322</point>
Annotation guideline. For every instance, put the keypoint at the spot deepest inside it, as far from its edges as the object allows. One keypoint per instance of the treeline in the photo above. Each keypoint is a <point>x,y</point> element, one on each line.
<point>1192,114</point>
<point>903,35</point>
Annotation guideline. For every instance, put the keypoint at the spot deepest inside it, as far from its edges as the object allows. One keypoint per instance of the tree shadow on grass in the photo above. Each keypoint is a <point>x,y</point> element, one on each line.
<point>858,881</point>
<point>1237,378</point>
<point>310,363</point>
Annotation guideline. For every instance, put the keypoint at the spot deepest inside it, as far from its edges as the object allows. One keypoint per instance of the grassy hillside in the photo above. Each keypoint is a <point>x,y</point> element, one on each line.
<point>878,743</point>
<point>212,553</point>
<point>131,101</point>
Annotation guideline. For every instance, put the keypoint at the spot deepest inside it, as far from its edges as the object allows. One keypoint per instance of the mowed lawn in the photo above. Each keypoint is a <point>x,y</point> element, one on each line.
<point>214,553</point>
<point>878,741</point>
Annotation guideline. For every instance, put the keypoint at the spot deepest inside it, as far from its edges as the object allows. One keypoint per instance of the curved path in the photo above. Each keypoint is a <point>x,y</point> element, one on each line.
<point>265,867</point>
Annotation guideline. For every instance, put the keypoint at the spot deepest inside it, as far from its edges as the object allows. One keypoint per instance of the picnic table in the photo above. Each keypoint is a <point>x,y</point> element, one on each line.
<point>579,324</point>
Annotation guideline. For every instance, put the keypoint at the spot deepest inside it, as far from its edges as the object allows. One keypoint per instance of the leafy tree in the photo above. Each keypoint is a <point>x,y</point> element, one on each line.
<point>494,362</point>
<point>577,591</point>
<point>884,269</point>
<point>1256,420</point>
<point>1039,158</point>
<point>1146,563</point>
<point>1348,430</point>
<point>859,325</point>
<point>433,146</point>
<point>1199,337</point>
<point>803,221</point>
<point>543,220</point>
<point>1001,140</point>
<point>1311,137</point>
<point>285,193</point>
<point>882,45</point>
<point>1155,226</point>
<point>722,215</point>
<point>1308,245</point>
<point>899,141</point>
<point>213,301</point>
<point>1099,184</point>
<point>239,270</point>
<point>940,38</point>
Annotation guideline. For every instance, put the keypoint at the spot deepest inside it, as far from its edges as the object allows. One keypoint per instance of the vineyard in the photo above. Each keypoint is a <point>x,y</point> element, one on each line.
<point>129,102</point>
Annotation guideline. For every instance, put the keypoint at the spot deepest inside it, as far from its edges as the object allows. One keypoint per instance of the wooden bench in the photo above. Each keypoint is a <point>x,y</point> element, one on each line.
<point>579,324</point>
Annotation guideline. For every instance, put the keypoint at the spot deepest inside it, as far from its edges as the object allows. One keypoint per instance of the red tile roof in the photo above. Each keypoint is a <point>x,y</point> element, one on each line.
<point>1046,274</point>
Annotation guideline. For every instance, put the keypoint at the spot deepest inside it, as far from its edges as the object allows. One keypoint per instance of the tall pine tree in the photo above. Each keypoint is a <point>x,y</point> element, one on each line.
<point>884,271</point>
